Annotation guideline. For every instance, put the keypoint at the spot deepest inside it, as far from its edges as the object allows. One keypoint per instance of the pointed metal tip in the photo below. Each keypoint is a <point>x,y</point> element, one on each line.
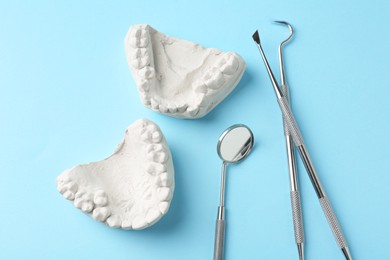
<point>256,37</point>
<point>346,253</point>
<point>301,251</point>
<point>282,22</point>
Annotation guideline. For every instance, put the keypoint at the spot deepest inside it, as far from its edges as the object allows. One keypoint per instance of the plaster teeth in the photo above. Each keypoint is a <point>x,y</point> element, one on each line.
<point>145,101</point>
<point>160,157</point>
<point>140,58</point>
<point>139,223</point>
<point>61,188</point>
<point>124,190</point>
<point>154,147</point>
<point>154,104</point>
<point>199,86</point>
<point>156,137</point>
<point>145,98</point>
<point>100,198</point>
<point>113,221</point>
<point>182,108</point>
<point>101,214</point>
<point>144,85</point>
<point>146,137</point>
<point>178,75</point>
<point>77,203</point>
<point>146,72</point>
<point>141,62</point>
<point>67,186</point>
<point>150,134</point>
<point>201,100</point>
<point>163,207</point>
<point>87,206</point>
<point>151,128</point>
<point>172,109</point>
<point>80,194</point>
<point>152,215</point>
<point>163,108</point>
<point>139,53</point>
<point>68,195</point>
<point>156,168</point>
<point>214,79</point>
<point>193,111</point>
<point>229,65</point>
<point>165,180</point>
<point>126,224</point>
<point>164,193</point>
<point>138,38</point>
<point>84,202</point>
<point>61,180</point>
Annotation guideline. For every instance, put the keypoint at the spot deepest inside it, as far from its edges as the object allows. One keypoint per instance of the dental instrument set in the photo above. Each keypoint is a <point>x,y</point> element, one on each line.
<point>133,188</point>
<point>295,133</point>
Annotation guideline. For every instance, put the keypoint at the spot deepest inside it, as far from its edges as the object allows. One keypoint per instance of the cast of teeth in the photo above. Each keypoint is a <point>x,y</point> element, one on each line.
<point>217,76</point>
<point>133,188</point>
<point>127,201</point>
<point>141,60</point>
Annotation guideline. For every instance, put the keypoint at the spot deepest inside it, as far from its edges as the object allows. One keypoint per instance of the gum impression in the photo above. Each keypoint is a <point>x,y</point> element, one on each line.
<point>177,77</point>
<point>131,189</point>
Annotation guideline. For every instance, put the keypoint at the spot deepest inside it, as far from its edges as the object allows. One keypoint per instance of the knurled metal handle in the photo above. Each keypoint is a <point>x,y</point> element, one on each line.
<point>290,121</point>
<point>333,223</point>
<point>286,94</point>
<point>219,239</point>
<point>297,217</point>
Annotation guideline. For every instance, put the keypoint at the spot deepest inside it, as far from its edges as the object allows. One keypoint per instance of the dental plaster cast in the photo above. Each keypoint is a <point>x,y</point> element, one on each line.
<point>131,189</point>
<point>179,78</point>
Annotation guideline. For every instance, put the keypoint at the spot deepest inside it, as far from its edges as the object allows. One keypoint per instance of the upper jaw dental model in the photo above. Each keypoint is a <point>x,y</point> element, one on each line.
<point>131,189</point>
<point>177,77</point>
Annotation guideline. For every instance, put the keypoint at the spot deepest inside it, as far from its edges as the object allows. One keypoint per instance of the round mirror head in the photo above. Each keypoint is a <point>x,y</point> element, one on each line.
<point>235,143</point>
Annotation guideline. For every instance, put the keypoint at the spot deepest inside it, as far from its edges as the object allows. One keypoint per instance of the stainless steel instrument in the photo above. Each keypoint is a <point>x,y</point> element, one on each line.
<point>292,168</point>
<point>233,146</point>
<point>299,143</point>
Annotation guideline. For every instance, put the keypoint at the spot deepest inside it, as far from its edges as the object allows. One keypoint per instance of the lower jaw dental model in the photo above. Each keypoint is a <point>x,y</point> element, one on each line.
<point>177,77</point>
<point>131,189</point>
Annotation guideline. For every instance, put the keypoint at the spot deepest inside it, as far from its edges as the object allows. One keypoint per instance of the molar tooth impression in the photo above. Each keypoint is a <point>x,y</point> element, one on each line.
<point>171,73</point>
<point>131,189</point>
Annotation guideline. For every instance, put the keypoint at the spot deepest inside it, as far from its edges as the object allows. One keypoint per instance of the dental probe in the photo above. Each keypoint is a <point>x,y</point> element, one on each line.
<point>299,143</point>
<point>292,168</point>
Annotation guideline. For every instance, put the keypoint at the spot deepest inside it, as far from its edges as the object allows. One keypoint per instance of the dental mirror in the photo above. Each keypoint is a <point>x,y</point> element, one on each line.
<point>233,146</point>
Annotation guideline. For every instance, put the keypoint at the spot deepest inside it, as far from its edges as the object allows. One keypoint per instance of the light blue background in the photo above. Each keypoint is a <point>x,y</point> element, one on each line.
<point>67,96</point>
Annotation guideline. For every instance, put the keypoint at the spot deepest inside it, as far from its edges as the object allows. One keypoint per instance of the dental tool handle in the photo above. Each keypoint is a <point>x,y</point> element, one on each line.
<point>219,234</point>
<point>297,217</point>
<point>298,141</point>
<point>292,167</point>
<point>326,206</point>
<point>334,225</point>
<point>286,94</point>
<point>292,170</point>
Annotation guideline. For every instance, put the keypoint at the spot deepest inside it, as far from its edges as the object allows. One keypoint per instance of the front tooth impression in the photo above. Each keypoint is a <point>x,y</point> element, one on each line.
<point>177,71</point>
<point>131,189</point>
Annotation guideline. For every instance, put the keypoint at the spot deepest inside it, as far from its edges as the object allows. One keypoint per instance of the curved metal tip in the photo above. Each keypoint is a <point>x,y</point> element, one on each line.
<point>290,28</point>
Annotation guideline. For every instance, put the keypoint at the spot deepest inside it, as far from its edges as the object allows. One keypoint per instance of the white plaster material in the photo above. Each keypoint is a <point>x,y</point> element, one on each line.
<point>131,189</point>
<point>177,77</point>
